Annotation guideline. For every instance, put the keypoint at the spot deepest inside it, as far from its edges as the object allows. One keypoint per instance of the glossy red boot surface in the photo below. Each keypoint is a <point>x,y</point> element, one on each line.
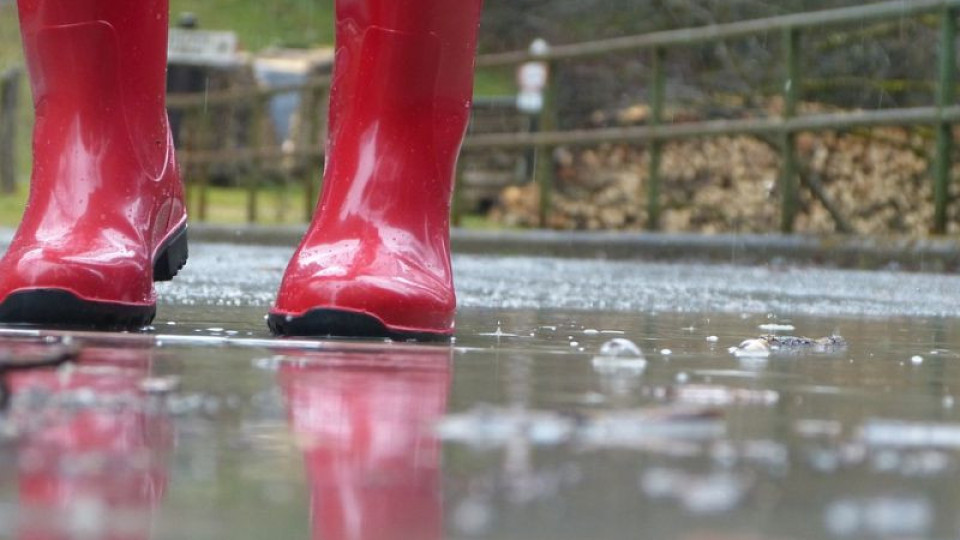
<point>105,216</point>
<point>376,259</point>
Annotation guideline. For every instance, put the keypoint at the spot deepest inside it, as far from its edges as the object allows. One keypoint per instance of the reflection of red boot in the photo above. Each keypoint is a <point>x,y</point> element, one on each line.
<point>376,260</point>
<point>104,461</point>
<point>106,215</point>
<point>365,423</point>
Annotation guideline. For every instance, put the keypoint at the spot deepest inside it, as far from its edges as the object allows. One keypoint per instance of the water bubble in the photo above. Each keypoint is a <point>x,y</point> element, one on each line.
<point>620,357</point>
<point>916,360</point>
<point>712,339</point>
<point>621,347</point>
<point>666,352</point>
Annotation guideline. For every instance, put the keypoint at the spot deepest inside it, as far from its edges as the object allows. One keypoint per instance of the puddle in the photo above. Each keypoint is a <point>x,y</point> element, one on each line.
<point>211,428</point>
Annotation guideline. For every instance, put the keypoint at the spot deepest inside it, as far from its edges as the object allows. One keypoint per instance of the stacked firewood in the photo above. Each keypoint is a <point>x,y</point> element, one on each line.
<point>876,180</point>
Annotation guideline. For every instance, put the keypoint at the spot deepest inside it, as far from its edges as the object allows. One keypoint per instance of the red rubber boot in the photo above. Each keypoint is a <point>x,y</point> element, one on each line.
<point>376,260</point>
<point>105,217</point>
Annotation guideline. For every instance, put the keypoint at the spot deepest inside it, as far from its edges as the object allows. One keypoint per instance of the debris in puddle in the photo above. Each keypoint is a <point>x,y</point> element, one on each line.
<point>892,516</point>
<point>591,332</point>
<point>896,433</point>
<point>914,464</point>
<point>160,385</point>
<point>768,344</point>
<point>751,348</point>
<point>486,426</point>
<point>489,426</point>
<point>916,360</point>
<point>712,339</point>
<point>813,428</point>
<point>703,394</point>
<point>665,352</point>
<point>777,327</point>
<point>769,454</point>
<point>712,493</point>
<point>638,428</point>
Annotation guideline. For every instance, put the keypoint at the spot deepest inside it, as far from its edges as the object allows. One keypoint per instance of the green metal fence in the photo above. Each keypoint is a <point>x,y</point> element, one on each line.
<point>942,115</point>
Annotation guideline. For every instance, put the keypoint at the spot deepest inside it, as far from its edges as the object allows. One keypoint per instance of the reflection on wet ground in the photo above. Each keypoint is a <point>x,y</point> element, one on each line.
<point>535,423</point>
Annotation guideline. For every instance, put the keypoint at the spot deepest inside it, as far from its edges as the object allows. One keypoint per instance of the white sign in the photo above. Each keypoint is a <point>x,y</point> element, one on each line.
<point>530,102</point>
<point>532,76</point>
<point>202,47</point>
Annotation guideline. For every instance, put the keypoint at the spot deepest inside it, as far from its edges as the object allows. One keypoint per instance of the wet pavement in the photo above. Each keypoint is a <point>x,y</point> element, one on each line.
<point>581,399</point>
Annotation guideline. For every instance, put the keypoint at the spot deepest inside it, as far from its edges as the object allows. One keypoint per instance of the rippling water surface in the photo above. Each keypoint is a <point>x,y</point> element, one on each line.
<point>528,426</point>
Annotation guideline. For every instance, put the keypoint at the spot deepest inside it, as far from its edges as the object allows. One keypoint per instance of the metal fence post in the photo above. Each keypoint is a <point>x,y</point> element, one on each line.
<point>199,120</point>
<point>946,95</point>
<point>788,139</point>
<point>657,95</point>
<point>9,94</point>
<point>457,201</point>
<point>258,116</point>
<point>316,118</point>
<point>545,170</point>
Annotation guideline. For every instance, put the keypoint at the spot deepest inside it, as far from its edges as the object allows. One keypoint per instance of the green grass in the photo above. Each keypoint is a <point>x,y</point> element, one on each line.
<point>11,207</point>
<point>495,81</point>
<point>229,206</point>
<point>260,23</point>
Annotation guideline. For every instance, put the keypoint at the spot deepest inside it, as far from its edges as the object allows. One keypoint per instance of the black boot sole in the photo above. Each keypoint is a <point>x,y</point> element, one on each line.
<point>172,256</point>
<point>342,324</point>
<point>57,307</point>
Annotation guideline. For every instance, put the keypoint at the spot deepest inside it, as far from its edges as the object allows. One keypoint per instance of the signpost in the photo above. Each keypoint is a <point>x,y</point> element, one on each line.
<point>532,78</point>
<point>202,47</point>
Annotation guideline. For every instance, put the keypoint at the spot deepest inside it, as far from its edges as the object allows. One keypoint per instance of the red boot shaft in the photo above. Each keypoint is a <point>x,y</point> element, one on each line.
<point>376,259</point>
<point>105,196</point>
